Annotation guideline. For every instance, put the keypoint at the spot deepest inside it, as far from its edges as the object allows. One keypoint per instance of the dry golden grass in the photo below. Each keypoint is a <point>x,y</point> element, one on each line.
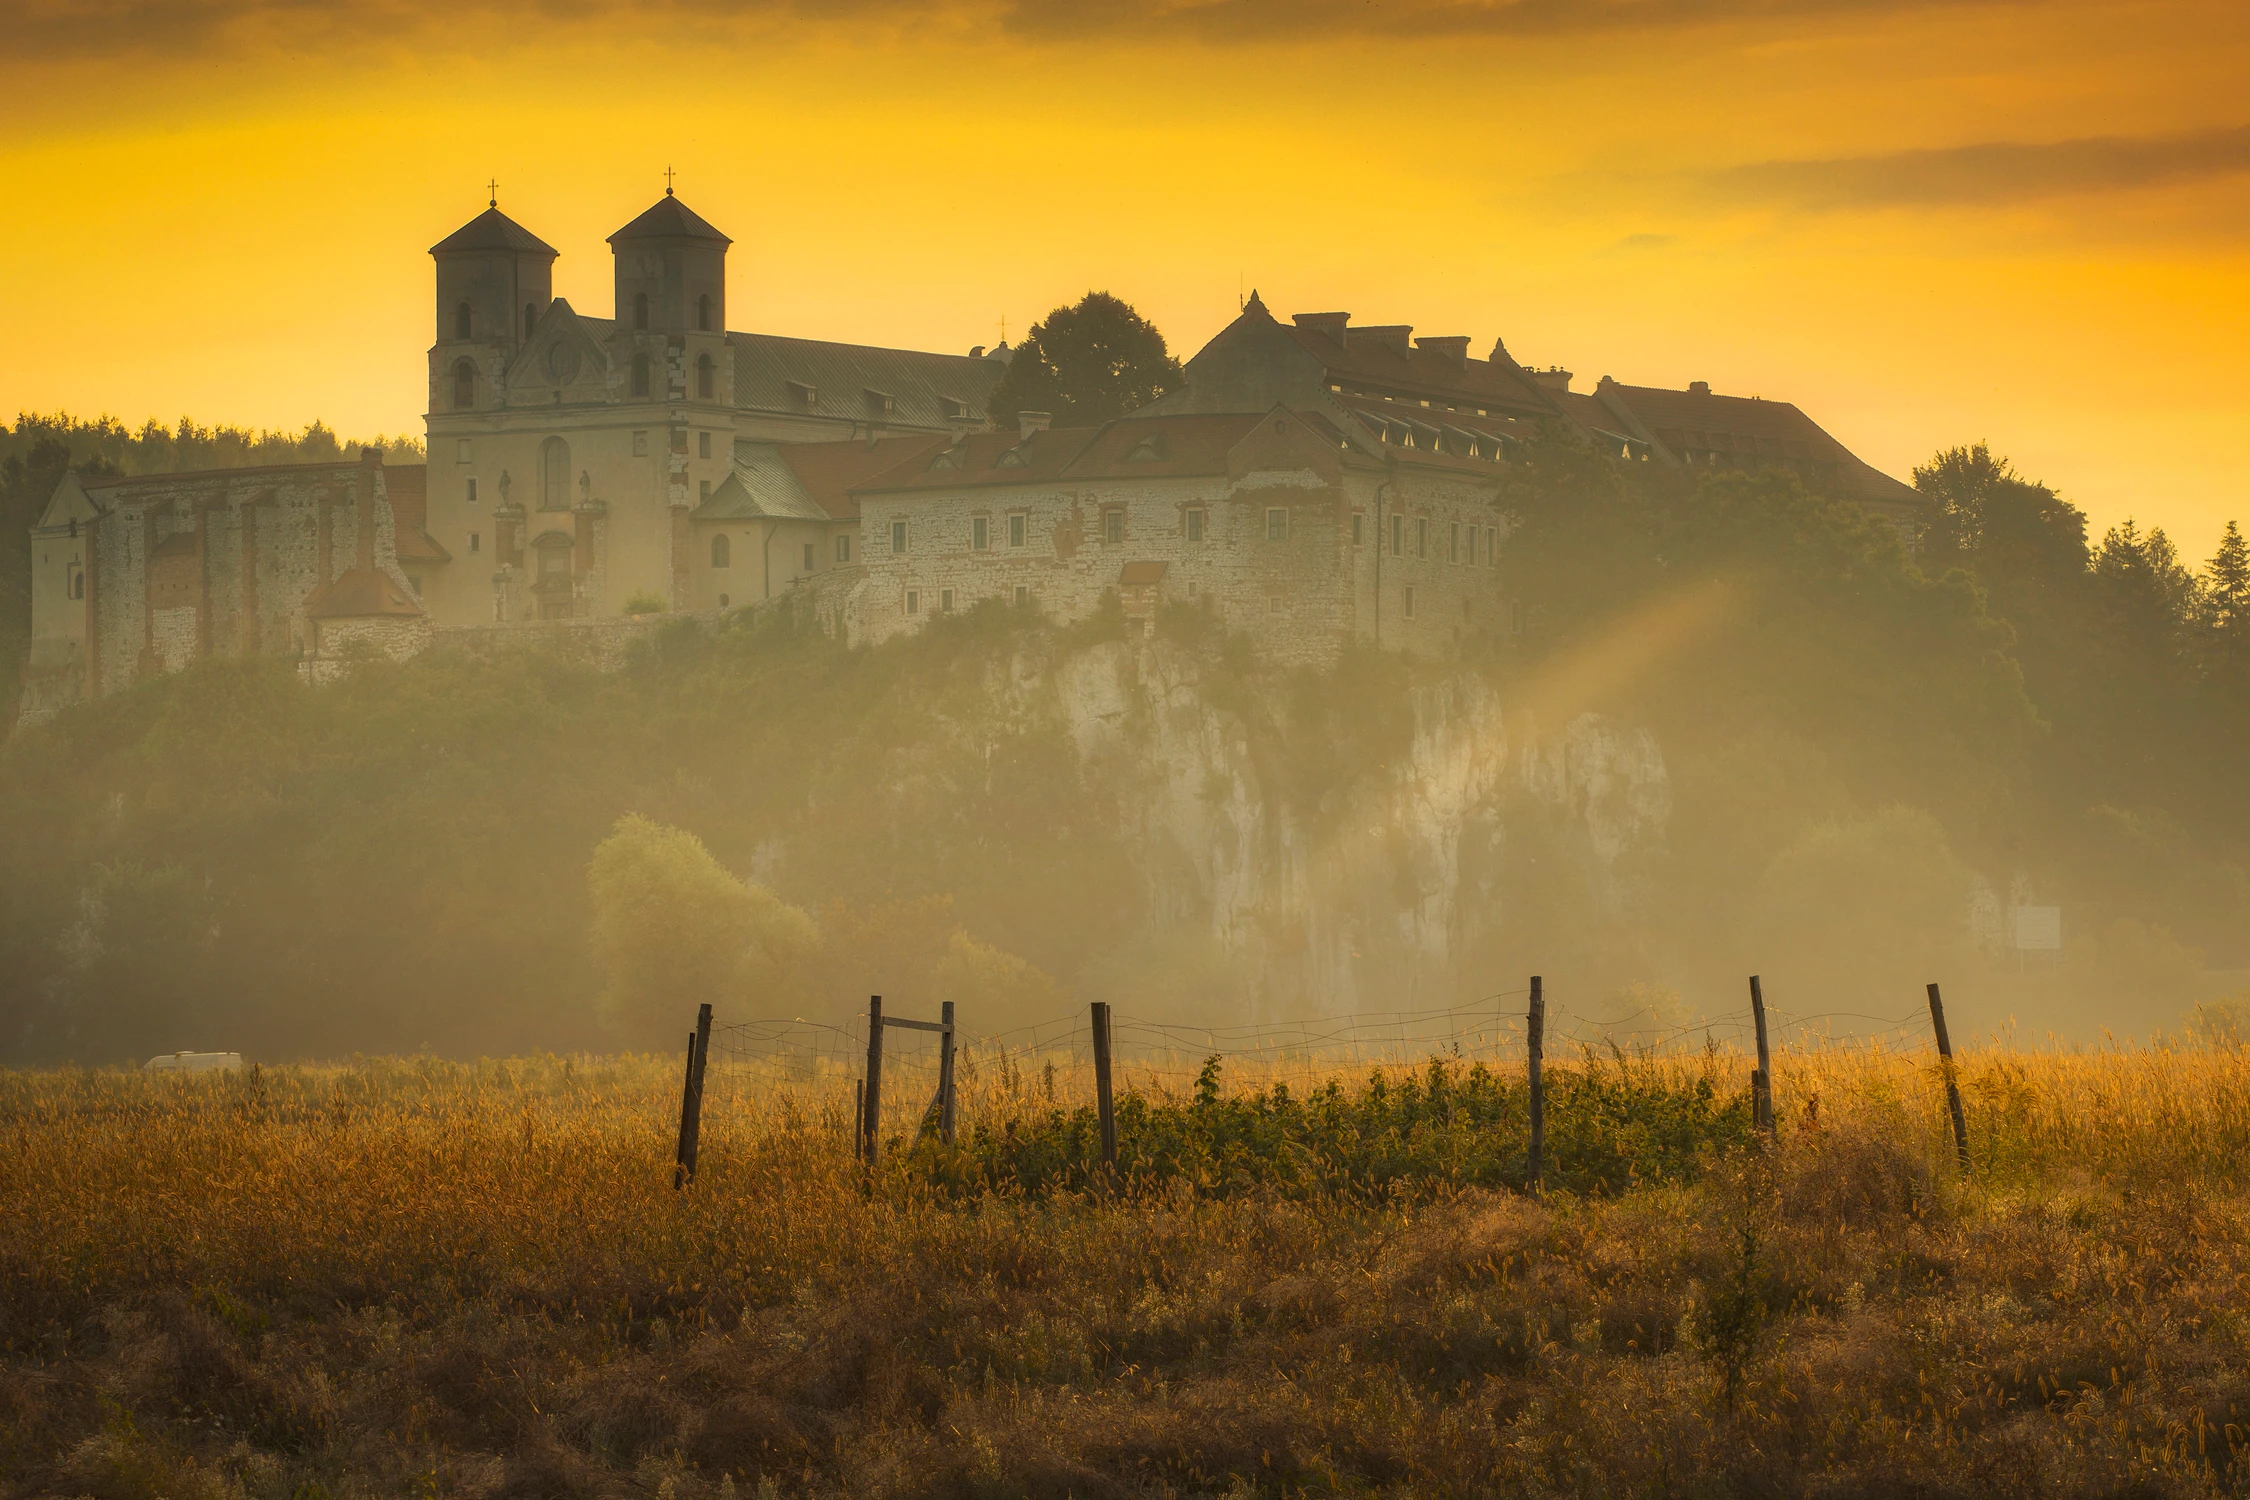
<point>415,1277</point>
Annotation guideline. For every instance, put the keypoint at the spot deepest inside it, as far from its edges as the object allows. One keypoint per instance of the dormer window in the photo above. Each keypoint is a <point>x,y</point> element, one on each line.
<point>461,321</point>
<point>1148,450</point>
<point>1012,459</point>
<point>881,403</point>
<point>640,311</point>
<point>802,393</point>
<point>949,459</point>
<point>954,408</point>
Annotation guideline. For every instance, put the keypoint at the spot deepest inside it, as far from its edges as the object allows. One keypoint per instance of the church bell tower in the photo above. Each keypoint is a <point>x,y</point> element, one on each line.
<point>494,280</point>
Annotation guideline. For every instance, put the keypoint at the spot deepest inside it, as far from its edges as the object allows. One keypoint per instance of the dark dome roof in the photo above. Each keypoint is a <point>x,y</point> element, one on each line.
<point>669,218</point>
<point>493,230</point>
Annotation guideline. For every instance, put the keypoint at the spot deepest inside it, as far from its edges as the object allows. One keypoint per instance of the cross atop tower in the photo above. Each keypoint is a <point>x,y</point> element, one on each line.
<point>493,187</point>
<point>667,182</point>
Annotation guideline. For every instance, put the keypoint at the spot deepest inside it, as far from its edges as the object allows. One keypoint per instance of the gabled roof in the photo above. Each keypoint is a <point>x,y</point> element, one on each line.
<point>669,218</point>
<point>777,374</point>
<point>361,593</point>
<point>1186,445</point>
<point>1751,433</point>
<point>493,230</point>
<point>407,485</point>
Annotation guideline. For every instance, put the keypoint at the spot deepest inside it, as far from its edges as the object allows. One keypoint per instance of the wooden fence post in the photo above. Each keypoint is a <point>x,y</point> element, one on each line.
<point>691,1101</point>
<point>1761,1082</point>
<point>871,1113</point>
<point>945,1074</point>
<point>1952,1084</point>
<point>1102,1107</point>
<point>687,1101</point>
<point>1535,1036</point>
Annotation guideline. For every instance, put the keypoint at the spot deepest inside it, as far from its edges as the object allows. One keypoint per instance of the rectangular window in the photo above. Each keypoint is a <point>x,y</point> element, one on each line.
<point>461,451</point>
<point>844,548</point>
<point>1421,536</point>
<point>898,539</point>
<point>703,445</point>
<point>1194,524</point>
<point>1113,525</point>
<point>1359,528</point>
<point>1397,530</point>
<point>810,561</point>
<point>1277,524</point>
<point>945,601</point>
<point>980,533</point>
<point>1472,546</point>
<point>1453,543</point>
<point>1019,529</point>
<point>1023,594</point>
<point>1410,601</point>
<point>640,445</point>
<point>476,541</point>
<point>472,496</point>
<point>913,601</point>
<point>1276,605</point>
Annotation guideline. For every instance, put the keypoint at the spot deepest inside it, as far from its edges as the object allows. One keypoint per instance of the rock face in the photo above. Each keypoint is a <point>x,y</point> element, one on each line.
<point>1395,889</point>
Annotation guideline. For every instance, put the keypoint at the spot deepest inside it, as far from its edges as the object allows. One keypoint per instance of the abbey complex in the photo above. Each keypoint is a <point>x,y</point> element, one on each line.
<point>1316,481</point>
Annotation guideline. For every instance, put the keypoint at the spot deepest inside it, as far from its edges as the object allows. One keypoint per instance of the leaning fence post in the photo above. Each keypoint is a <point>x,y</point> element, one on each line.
<point>691,1102</point>
<point>1102,1107</point>
<point>1761,1082</point>
<point>871,1116</point>
<point>1952,1084</point>
<point>1535,1033</point>
<point>945,1074</point>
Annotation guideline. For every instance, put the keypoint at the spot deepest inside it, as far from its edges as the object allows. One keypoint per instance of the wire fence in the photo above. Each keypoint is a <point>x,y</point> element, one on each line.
<point>1156,1054</point>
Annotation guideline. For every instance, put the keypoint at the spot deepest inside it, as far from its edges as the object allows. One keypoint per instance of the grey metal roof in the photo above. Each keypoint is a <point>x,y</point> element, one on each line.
<point>669,218</point>
<point>760,488</point>
<point>861,383</point>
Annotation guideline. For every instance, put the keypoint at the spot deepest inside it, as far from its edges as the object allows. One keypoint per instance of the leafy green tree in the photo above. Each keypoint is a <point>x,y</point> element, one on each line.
<point>673,930</point>
<point>999,989</point>
<point>1086,364</point>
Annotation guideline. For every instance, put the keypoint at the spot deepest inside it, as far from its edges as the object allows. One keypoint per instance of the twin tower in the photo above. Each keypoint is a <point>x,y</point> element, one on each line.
<point>495,277</point>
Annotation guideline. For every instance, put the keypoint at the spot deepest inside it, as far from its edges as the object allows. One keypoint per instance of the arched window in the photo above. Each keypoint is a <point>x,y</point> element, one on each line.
<point>640,309</point>
<point>77,582</point>
<point>461,323</point>
<point>464,384</point>
<point>640,374</point>
<point>554,474</point>
<point>704,377</point>
<point>703,312</point>
<point>530,317</point>
<point>722,550</point>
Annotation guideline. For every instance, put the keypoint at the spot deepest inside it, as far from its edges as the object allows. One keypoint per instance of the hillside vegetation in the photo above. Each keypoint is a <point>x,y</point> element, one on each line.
<point>1851,751</point>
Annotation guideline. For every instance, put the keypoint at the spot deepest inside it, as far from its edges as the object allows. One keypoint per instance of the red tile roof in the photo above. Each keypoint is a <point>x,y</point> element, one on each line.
<point>829,472</point>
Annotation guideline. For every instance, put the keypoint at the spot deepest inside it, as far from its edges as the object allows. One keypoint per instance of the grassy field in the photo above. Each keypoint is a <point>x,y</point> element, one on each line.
<point>413,1277</point>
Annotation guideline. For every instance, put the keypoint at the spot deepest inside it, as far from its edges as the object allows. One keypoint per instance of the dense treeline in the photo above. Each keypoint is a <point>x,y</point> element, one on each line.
<point>1863,746</point>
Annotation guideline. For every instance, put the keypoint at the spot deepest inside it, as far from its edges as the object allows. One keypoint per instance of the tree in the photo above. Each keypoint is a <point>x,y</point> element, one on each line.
<point>1085,365</point>
<point>673,929</point>
<point>1003,990</point>
<point>2226,610</point>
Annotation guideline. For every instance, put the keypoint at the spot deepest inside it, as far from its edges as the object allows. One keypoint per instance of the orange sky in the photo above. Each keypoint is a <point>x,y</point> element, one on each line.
<point>1926,224</point>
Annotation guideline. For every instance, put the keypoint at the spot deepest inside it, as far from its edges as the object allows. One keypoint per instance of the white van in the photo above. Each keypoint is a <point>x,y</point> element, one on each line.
<point>197,1062</point>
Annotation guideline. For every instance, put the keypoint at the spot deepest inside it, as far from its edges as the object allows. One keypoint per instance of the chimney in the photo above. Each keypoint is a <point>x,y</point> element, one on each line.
<point>1699,387</point>
<point>1454,348</point>
<point>1029,422</point>
<point>1332,324</point>
<point>1553,378</point>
